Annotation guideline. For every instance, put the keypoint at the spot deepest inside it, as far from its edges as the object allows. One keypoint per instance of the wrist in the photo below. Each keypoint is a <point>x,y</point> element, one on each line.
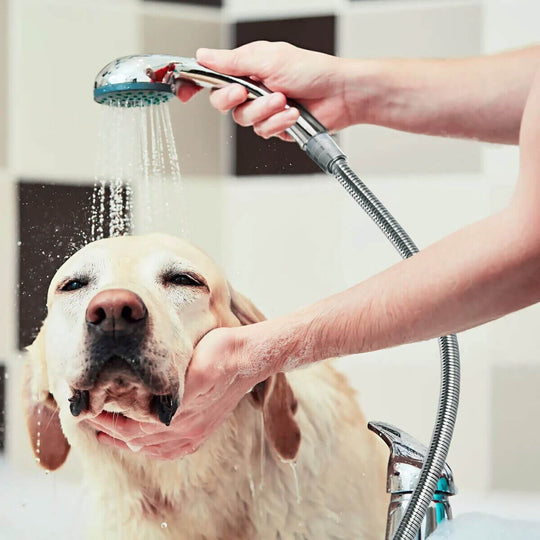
<point>381,91</point>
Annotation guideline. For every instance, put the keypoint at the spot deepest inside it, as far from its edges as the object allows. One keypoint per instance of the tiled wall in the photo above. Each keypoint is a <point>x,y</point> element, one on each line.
<point>285,238</point>
<point>254,155</point>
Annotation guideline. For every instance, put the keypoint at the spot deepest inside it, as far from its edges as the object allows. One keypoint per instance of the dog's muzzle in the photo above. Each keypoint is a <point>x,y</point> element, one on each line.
<point>117,328</point>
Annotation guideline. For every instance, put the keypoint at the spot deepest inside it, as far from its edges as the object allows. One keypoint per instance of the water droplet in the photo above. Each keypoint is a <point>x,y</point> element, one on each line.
<point>261,457</point>
<point>163,524</point>
<point>6,375</point>
<point>19,243</point>
<point>296,484</point>
<point>38,460</point>
<point>47,472</point>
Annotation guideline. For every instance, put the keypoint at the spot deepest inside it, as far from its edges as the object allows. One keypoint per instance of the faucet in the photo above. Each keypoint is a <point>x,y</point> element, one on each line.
<point>404,466</point>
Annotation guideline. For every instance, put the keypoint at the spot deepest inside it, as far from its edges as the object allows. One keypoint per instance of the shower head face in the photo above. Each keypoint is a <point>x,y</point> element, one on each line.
<point>125,82</point>
<point>133,94</point>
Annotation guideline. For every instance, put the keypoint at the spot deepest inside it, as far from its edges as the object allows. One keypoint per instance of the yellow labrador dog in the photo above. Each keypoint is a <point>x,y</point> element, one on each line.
<point>123,317</point>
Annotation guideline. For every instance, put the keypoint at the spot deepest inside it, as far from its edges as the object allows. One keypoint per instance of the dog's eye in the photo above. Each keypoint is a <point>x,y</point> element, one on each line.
<point>74,284</point>
<point>184,280</point>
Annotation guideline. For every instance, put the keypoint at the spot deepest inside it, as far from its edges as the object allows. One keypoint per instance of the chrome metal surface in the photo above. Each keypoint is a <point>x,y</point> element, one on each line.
<point>406,459</point>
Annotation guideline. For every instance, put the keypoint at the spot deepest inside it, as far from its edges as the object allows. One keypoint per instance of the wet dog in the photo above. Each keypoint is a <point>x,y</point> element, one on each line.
<point>124,315</point>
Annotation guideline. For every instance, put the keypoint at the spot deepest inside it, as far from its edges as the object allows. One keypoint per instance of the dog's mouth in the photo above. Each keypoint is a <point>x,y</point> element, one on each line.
<point>119,388</point>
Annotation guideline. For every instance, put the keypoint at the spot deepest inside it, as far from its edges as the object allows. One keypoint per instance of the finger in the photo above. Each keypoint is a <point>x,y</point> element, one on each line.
<point>285,137</point>
<point>168,452</point>
<point>107,440</point>
<point>228,97</point>
<point>185,90</point>
<point>277,124</point>
<point>244,60</point>
<point>260,109</point>
<point>126,428</point>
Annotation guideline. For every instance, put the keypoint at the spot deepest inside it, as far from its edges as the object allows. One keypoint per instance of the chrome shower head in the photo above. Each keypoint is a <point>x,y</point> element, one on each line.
<point>137,80</point>
<point>150,79</point>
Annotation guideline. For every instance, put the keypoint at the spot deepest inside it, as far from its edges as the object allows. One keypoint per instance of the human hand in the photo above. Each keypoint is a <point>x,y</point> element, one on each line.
<point>315,80</point>
<point>214,385</point>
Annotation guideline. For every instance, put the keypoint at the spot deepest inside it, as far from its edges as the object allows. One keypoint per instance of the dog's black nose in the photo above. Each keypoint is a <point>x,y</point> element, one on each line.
<point>116,311</point>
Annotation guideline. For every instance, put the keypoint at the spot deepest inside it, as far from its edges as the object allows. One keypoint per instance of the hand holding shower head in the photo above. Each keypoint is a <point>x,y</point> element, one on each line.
<point>142,80</point>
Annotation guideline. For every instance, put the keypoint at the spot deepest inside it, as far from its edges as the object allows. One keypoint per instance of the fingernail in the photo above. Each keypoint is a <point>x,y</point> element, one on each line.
<point>292,112</point>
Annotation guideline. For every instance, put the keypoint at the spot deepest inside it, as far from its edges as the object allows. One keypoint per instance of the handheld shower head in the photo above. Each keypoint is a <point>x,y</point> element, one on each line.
<point>142,80</point>
<point>150,79</point>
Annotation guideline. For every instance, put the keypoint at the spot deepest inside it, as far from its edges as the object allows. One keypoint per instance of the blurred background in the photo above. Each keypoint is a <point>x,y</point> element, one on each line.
<point>285,234</point>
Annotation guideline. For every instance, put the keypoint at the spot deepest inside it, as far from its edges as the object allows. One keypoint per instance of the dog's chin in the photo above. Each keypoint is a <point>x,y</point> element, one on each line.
<point>118,389</point>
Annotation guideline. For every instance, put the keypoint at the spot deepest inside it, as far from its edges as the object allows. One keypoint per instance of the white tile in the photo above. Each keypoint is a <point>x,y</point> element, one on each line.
<point>198,128</point>
<point>441,30</point>
<point>282,239</point>
<point>515,437</point>
<point>510,24</point>
<point>58,47</point>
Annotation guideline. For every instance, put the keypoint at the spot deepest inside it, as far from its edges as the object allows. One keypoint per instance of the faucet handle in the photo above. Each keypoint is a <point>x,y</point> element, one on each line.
<point>406,459</point>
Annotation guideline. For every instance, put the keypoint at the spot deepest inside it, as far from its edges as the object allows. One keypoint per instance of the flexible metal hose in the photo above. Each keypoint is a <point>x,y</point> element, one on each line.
<point>449,351</point>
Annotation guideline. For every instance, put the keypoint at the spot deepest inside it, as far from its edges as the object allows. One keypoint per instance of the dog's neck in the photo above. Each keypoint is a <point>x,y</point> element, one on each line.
<point>231,457</point>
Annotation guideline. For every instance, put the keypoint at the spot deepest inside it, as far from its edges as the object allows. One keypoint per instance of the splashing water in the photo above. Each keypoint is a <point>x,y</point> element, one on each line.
<point>137,170</point>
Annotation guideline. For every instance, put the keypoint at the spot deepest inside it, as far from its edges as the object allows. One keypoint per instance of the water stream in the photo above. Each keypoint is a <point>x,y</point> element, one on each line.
<point>137,171</point>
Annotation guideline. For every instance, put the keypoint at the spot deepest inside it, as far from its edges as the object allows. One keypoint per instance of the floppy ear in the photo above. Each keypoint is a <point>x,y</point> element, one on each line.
<point>49,444</point>
<point>274,395</point>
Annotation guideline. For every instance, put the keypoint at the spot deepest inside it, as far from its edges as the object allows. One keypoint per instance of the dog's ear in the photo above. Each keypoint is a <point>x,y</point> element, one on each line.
<point>276,399</point>
<point>48,441</point>
<point>274,396</point>
<point>244,310</point>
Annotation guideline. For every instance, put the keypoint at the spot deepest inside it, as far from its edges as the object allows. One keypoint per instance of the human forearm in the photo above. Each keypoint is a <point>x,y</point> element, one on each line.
<point>436,292</point>
<point>481,98</point>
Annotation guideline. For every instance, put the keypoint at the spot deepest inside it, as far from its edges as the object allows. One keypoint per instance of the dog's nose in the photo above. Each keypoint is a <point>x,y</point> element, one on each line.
<point>116,310</point>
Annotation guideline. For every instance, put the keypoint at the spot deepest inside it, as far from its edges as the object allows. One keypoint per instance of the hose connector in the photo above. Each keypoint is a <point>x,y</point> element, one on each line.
<point>324,151</point>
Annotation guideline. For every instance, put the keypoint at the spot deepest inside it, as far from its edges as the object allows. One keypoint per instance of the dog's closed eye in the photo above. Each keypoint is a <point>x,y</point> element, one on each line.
<point>74,284</point>
<point>183,279</point>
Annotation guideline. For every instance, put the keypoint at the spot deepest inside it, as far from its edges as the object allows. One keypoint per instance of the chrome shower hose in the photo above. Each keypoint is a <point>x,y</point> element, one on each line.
<point>449,352</point>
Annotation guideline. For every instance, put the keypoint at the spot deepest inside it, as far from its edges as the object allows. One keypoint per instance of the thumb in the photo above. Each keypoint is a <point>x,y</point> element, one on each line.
<point>242,61</point>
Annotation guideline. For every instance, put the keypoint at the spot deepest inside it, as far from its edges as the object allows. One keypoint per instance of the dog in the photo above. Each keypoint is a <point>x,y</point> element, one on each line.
<point>294,460</point>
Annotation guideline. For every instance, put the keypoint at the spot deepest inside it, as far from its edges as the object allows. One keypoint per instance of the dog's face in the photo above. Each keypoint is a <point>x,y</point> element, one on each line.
<point>128,310</point>
<point>124,315</point>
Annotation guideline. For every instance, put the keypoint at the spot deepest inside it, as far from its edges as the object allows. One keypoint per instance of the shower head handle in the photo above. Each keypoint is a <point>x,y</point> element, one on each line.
<point>130,79</point>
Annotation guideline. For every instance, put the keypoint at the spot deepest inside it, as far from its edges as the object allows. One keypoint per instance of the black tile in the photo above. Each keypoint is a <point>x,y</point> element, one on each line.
<point>2,408</point>
<point>54,222</point>
<point>254,155</point>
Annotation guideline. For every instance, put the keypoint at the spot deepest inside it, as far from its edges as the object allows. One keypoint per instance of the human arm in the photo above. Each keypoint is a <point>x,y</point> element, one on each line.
<point>480,97</point>
<point>475,275</point>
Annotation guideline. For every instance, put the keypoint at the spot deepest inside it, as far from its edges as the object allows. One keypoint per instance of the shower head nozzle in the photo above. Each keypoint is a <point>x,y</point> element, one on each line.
<point>137,94</point>
<point>137,80</point>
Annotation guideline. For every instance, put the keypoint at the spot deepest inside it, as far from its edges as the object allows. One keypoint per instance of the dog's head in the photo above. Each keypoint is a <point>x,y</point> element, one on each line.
<point>124,315</point>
